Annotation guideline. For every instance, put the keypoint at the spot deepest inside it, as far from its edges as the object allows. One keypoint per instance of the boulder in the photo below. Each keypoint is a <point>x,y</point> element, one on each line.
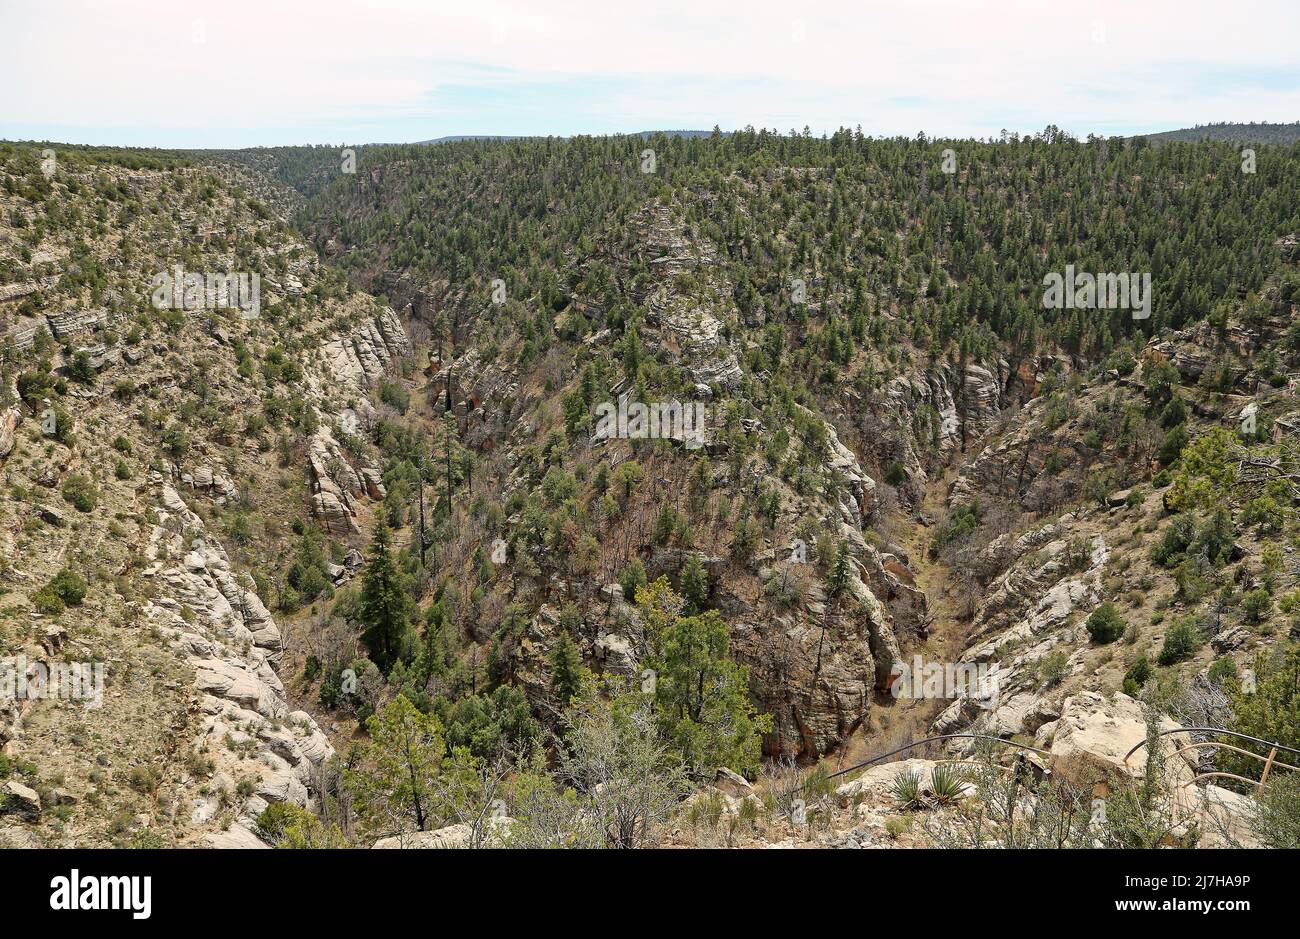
<point>18,837</point>
<point>1094,733</point>
<point>236,836</point>
<point>18,800</point>
<point>333,514</point>
<point>453,836</point>
<point>875,785</point>
<point>733,784</point>
<point>1225,819</point>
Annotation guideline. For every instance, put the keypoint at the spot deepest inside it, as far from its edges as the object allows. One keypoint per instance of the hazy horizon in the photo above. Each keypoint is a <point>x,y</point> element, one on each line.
<point>174,75</point>
<point>507,136</point>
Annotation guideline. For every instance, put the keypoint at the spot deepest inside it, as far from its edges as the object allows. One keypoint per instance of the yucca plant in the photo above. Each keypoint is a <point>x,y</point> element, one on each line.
<point>906,788</point>
<point>947,784</point>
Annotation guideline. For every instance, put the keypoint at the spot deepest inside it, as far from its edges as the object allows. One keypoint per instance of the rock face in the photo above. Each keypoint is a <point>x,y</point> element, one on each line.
<point>452,836</point>
<point>9,419</point>
<point>368,355</point>
<point>929,416</point>
<point>236,836</point>
<point>23,334</point>
<point>1029,608</point>
<point>687,330</point>
<point>1094,734</point>
<point>225,632</point>
<point>212,481</point>
<point>1040,594</point>
<point>862,488</point>
<point>401,289</point>
<point>74,322</point>
<point>698,336</point>
<point>816,669</point>
<point>337,484</point>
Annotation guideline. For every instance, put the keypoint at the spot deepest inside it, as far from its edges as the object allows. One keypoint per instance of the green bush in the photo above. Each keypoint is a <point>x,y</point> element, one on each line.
<point>1221,670</point>
<point>1105,625</point>
<point>1256,605</point>
<point>68,586</point>
<point>906,788</point>
<point>47,601</point>
<point>1268,709</point>
<point>633,576</point>
<point>947,784</point>
<point>1136,676</point>
<point>80,492</point>
<point>1182,639</point>
<point>1053,668</point>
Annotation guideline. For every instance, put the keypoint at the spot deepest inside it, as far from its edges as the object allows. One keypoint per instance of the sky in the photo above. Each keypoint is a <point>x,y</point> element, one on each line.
<point>239,73</point>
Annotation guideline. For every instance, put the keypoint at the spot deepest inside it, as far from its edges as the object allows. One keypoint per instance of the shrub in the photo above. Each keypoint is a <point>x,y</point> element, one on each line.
<point>1182,639</point>
<point>1137,676</point>
<point>80,492</point>
<point>962,521</point>
<point>47,601</point>
<point>143,779</point>
<point>1255,606</point>
<point>1105,625</point>
<point>947,785</point>
<point>277,818</point>
<point>1277,816</point>
<point>897,825</point>
<point>1221,670</point>
<point>1053,668</point>
<point>69,586</point>
<point>906,788</point>
<point>80,370</point>
<point>1268,709</point>
<point>633,577</point>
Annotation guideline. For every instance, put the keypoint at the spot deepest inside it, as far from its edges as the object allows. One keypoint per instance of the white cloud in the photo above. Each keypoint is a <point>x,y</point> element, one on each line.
<point>943,66</point>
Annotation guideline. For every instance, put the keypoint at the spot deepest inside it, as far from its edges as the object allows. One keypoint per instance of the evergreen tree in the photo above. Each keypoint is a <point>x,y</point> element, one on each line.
<point>695,584</point>
<point>395,779</point>
<point>701,697</point>
<point>841,571</point>
<point>567,670</point>
<point>386,607</point>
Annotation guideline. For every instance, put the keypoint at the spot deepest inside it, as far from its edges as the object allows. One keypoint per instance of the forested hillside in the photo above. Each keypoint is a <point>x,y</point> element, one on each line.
<point>1284,134</point>
<point>610,491</point>
<point>867,224</point>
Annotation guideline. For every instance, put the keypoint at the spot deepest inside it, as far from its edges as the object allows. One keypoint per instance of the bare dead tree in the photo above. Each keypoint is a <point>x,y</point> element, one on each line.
<point>1255,471</point>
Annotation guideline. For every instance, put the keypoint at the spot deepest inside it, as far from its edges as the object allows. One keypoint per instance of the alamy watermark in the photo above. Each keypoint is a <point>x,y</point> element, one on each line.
<point>658,420</point>
<point>1105,291</point>
<point>181,290</point>
<point>977,681</point>
<point>55,681</point>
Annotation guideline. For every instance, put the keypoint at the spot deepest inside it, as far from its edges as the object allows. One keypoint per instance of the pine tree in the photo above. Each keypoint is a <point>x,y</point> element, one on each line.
<point>396,780</point>
<point>385,605</point>
<point>701,696</point>
<point>840,571</point>
<point>448,465</point>
<point>567,670</point>
<point>695,585</point>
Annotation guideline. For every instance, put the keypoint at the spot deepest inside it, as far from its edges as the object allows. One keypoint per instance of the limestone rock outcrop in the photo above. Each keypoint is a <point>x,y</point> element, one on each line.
<point>9,420</point>
<point>1095,734</point>
<point>219,625</point>
<point>360,360</point>
<point>337,484</point>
